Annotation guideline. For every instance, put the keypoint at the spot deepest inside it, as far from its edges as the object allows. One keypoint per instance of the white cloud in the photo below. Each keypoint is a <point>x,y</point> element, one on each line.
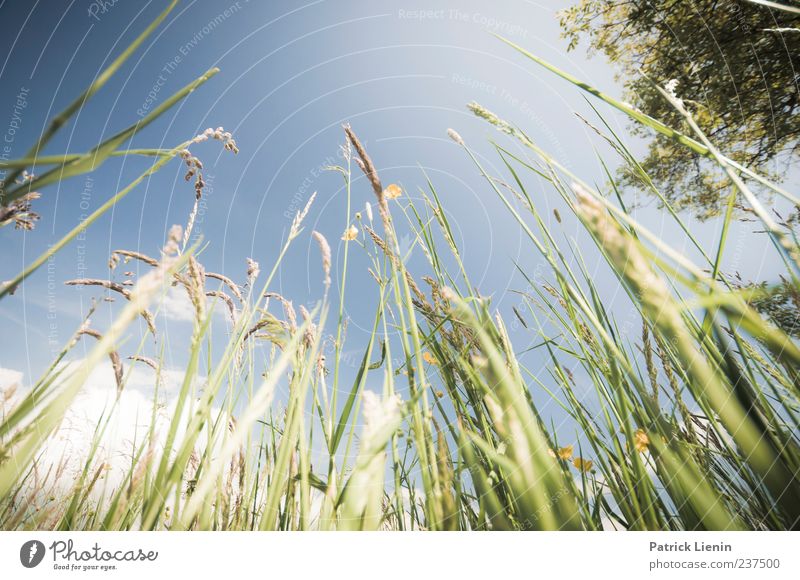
<point>176,305</point>
<point>69,446</point>
<point>9,378</point>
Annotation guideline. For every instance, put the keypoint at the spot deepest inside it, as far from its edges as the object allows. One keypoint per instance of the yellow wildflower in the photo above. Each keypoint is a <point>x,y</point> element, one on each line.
<point>565,452</point>
<point>392,191</point>
<point>640,440</point>
<point>429,358</point>
<point>350,234</point>
<point>583,464</point>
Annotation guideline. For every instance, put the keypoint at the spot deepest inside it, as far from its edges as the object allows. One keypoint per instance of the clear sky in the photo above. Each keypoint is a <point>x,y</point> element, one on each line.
<point>291,74</point>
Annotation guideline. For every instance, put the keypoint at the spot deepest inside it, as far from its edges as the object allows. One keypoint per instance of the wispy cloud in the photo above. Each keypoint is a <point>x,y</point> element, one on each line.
<point>9,378</point>
<point>175,305</point>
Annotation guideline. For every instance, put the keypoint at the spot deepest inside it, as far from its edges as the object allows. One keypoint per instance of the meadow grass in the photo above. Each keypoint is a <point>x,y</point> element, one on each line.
<point>693,425</point>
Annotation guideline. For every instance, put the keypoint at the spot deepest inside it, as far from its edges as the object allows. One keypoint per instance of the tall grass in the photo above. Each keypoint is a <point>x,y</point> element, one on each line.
<point>690,424</point>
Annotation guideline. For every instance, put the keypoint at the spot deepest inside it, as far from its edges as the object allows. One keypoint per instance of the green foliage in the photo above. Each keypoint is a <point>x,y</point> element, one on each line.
<point>734,64</point>
<point>781,305</point>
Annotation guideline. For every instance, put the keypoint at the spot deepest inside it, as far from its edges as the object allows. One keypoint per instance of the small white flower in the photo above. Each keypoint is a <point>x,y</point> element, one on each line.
<point>350,234</point>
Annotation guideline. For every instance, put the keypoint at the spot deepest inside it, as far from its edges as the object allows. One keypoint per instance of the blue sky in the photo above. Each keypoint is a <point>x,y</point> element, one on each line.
<point>291,73</point>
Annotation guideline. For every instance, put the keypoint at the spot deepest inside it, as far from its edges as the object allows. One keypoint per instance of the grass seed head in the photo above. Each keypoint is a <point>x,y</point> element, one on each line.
<point>325,252</point>
<point>453,134</point>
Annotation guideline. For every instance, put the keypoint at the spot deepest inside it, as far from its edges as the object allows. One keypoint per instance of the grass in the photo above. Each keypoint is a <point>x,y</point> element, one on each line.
<point>693,423</point>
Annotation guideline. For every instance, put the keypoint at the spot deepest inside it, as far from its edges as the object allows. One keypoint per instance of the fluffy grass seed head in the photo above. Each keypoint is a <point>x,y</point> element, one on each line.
<point>325,251</point>
<point>196,287</point>
<point>453,134</point>
<point>294,231</point>
<point>628,257</point>
<point>19,211</point>
<point>485,114</point>
<point>379,412</point>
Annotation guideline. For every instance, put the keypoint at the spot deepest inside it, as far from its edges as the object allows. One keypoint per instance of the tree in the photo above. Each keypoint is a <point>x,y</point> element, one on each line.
<point>735,64</point>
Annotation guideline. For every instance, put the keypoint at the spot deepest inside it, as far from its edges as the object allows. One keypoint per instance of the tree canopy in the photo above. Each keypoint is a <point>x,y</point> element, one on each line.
<point>736,66</point>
